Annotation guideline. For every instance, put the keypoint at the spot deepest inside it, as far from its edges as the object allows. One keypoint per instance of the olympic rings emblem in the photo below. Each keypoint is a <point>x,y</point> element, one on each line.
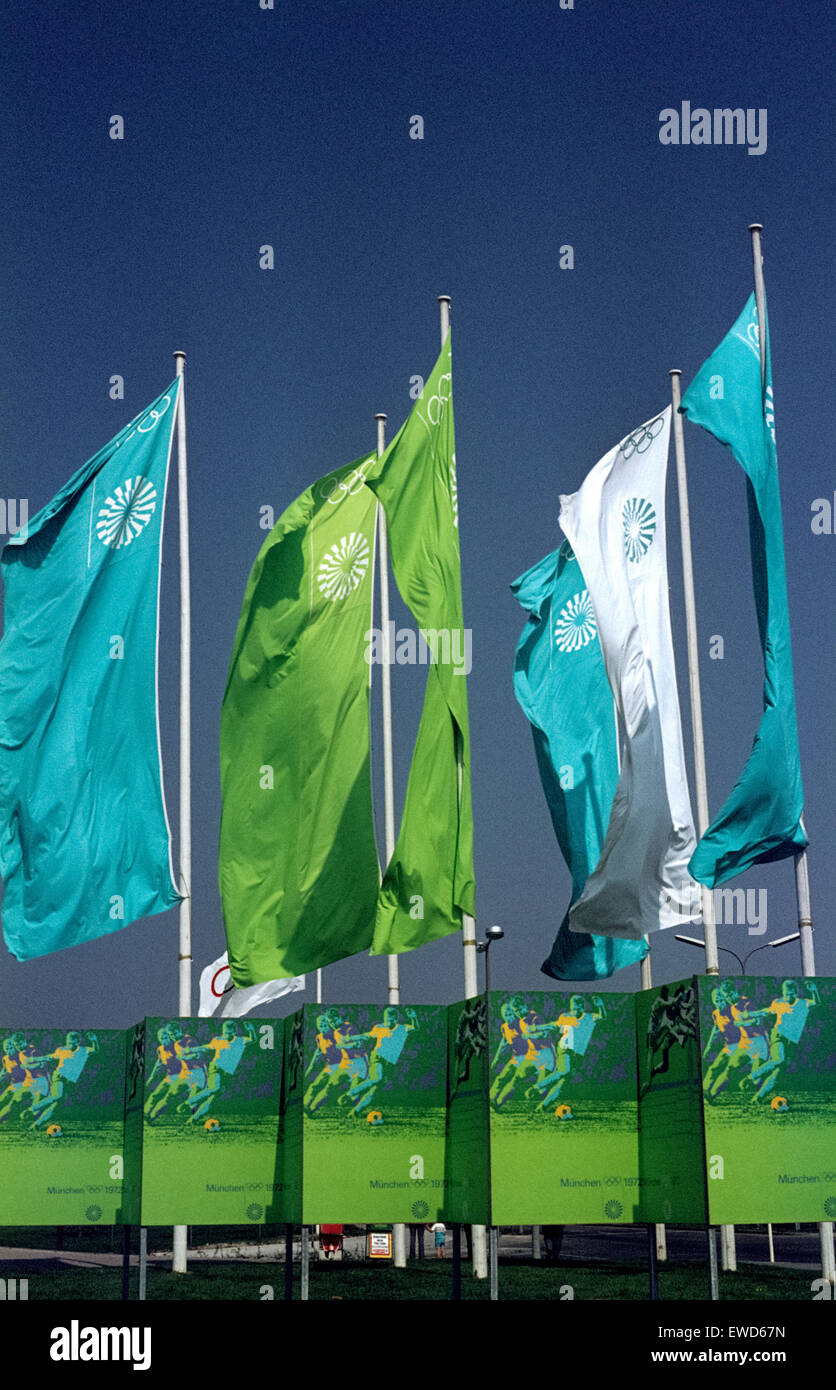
<point>157,416</point>
<point>154,415</point>
<point>640,441</point>
<point>334,489</point>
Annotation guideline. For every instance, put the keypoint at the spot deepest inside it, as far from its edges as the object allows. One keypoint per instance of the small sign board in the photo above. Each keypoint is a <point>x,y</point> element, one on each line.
<point>380,1245</point>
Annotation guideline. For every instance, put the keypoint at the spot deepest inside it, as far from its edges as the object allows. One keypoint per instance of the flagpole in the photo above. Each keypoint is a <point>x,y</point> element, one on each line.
<point>728,1250</point>
<point>398,1229</point>
<point>184,966</point>
<point>802,877</point>
<point>471,983</point>
<point>712,966</point>
<point>478,1234</point>
<point>386,687</point>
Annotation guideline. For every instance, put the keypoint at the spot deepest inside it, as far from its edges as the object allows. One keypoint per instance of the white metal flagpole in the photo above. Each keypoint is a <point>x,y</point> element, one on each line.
<point>802,878</point>
<point>471,982</point>
<point>478,1234</point>
<point>712,966</point>
<point>728,1253</point>
<point>398,1229</point>
<point>184,971</point>
<point>386,688</point>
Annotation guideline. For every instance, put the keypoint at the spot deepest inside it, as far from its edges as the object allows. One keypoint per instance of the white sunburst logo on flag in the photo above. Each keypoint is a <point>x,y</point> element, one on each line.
<point>125,515</point>
<point>575,626</point>
<point>454,492</point>
<point>344,566</point>
<point>639,521</point>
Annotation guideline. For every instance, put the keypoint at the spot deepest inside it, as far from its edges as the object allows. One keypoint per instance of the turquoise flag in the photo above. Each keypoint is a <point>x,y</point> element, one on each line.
<point>84,839</point>
<point>561,684</point>
<point>761,820</point>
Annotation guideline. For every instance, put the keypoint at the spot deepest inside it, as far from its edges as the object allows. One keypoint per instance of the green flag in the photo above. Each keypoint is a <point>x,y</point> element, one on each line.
<point>298,865</point>
<point>84,839</point>
<point>428,884</point>
<point>761,819</point>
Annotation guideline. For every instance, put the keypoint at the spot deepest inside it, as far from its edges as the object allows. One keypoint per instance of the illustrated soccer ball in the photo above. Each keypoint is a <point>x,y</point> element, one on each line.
<point>564,1112</point>
<point>53,1131</point>
<point>374,1117</point>
<point>211,1125</point>
<point>779,1104</point>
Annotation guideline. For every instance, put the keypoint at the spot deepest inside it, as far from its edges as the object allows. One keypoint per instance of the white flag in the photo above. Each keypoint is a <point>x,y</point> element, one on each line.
<point>216,985</point>
<point>615,524</point>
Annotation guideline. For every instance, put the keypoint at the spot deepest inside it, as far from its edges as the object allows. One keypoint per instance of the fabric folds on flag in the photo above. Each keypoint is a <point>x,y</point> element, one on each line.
<point>615,524</point>
<point>428,885</point>
<point>298,868</point>
<point>215,989</point>
<point>761,819</point>
<point>85,847</point>
<point>561,684</point>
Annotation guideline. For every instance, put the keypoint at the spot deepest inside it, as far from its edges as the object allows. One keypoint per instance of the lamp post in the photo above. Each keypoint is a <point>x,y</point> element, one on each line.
<point>779,941</point>
<point>484,947</point>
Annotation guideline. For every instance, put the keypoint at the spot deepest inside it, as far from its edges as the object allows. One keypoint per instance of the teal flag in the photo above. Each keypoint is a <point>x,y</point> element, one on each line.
<point>761,819</point>
<point>561,684</point>
<point>84,840</point>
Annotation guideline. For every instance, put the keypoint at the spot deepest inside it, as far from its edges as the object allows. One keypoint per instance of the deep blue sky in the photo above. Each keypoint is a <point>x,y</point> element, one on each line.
<point>291,127</point>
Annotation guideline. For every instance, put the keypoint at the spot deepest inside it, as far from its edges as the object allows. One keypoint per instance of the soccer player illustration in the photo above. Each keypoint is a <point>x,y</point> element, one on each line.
<point>516,1041</point>
<point>576,1028</point>
<point>672,1023</point>
<point>335,1058</point>
<point>18,1081</point>
<point>389,1038</point>
<point>743,1035</point>
<point>544,1048</point>
<point>28,1075</point>
<point>227,1051</point>
<point>175,1051</point>
<point>70,1060</point>
<point>790,1013</point>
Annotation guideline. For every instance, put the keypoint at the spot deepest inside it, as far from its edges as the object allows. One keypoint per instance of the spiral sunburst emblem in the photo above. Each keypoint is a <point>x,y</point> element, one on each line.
<point>125,515</point>
<point>639,520</point>
<point>575,626</point>
<point>344,566</point>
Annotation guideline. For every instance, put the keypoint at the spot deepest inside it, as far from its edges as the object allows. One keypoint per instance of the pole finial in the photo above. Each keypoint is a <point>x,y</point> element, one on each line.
<point>381,416</point>
<point>178,352</point>
<point>675,371</point>
<point>444,299</point>
<point>755,226</point>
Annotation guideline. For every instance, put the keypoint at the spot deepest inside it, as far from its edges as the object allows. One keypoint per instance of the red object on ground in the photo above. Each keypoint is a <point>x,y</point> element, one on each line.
<point>331,1238</point>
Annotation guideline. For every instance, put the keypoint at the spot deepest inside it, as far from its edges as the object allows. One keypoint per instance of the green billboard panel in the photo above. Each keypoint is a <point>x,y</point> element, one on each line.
<point>62,1103</point>
<point>467,1159</point>
<point>769,1068</point>
<point>372,1111</point>
<point>671,1143</point>
<point>563,1108</point>
<point>202,1124</point>
<point>289,1176</point>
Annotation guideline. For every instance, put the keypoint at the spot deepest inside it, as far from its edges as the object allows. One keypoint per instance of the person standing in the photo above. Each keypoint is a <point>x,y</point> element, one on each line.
<point>440,1236</point>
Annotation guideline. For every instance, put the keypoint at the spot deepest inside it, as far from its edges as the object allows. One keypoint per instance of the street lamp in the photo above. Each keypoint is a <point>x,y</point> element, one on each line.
<point>483,948</point>
<point>779,941</point>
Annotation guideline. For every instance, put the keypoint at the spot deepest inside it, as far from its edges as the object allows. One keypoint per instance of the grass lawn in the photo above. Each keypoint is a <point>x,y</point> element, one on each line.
<point>429,1279</point>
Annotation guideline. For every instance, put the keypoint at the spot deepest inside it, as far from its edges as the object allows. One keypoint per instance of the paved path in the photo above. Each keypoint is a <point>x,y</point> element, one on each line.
<point>581,1245</point>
